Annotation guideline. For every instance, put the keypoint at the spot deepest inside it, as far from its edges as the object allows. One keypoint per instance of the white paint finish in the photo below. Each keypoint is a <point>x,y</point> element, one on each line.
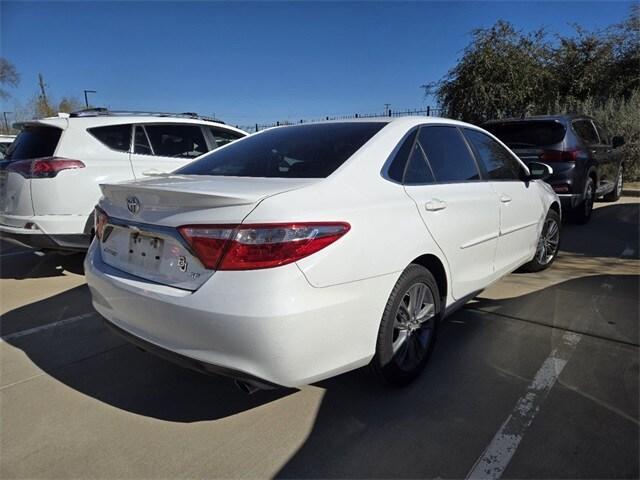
<point>319,317</point>
<point>496,457</point>
<point>48,326</point>
<point>62,205</point>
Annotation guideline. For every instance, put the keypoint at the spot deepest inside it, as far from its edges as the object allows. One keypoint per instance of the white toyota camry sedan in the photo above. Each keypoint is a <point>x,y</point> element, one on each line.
<point>305,251</point>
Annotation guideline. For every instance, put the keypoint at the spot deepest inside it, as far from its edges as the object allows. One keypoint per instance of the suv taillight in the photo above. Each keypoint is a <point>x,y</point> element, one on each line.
<point>100,219</point>
<point>252,247</point>
<point>560,155</point>
<point>47,167</point>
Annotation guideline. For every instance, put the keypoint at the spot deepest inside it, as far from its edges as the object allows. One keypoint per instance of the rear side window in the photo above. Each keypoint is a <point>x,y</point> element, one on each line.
<point>222,137</point>
<point>183,141</point>
<point>116,137</point>
<point>399,162</point>
<point>418,172</point>
<point>448,154</point>
<point>34,142</point>
<point>497,161</point>
<point>586,131</point>
<point>141,142</point>
<point>304,151</point>
<point>528,134</point>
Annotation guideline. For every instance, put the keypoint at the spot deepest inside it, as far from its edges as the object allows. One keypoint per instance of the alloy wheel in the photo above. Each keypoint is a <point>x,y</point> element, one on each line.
<point>619,184</point>
<point>414,326</point>
<point>548,242</point>
<point>589,198</point>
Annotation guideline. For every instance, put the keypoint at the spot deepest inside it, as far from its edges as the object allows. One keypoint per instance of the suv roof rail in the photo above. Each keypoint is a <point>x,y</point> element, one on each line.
<point>101,111</point>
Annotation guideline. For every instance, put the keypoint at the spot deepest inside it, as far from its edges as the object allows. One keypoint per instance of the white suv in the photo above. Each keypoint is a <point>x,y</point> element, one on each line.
<point>49,180</point>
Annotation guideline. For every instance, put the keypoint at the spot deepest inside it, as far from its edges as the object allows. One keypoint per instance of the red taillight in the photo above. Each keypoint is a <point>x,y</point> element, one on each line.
<point>43,167</point>
<point>252,247</point>
<point>100,219</point>
<point>560,155</point>
<point>561,188</point>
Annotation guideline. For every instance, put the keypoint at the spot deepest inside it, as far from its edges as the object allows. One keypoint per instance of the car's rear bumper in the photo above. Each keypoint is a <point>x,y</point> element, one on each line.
<point>41,241</point>
<point>54,232</point>
<point>270,325</point>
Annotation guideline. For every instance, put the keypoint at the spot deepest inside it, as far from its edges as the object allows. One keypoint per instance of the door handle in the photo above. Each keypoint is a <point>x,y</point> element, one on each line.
<point>153,173</point>
<point>505,198</point>
<point>435,205</point>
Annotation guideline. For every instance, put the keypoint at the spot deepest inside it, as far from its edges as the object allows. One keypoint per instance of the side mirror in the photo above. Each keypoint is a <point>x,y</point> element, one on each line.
<point>538,171</point>
<point>617,141</point>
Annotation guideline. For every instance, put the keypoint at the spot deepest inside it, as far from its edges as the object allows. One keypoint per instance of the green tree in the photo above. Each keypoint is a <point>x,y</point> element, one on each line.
<point>502,72</point>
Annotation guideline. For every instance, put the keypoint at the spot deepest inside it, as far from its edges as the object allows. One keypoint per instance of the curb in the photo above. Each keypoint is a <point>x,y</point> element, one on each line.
<point>631,193</point>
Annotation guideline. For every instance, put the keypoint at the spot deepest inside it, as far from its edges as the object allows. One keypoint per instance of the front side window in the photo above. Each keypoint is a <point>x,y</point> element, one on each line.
<point>182,141</point>
<point>222,137</point>
<point>116,137</point>
<point>497,161</point>
<point>448,154</point>
<point>586,131</point>
<point>302,151</point>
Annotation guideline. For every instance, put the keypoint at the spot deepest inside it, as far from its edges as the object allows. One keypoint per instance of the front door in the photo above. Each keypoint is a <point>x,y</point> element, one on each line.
<point>521,208</point>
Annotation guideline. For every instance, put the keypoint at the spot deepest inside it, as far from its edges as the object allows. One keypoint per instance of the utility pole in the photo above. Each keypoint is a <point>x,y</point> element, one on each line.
<point>387,108</point>
<point>6,122</point>
<point>86,100</point>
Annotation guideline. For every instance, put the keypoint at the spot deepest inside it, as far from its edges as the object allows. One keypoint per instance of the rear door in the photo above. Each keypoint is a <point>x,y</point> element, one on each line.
<point>459,210</point>
<point>164,147</point>
<point>521,208</point>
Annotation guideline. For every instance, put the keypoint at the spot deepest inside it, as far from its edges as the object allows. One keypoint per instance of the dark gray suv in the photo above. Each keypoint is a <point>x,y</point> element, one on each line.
<point>586,161</point>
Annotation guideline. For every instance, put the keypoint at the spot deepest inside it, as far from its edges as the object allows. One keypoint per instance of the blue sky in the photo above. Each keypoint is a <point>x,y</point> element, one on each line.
<point>258,62</point>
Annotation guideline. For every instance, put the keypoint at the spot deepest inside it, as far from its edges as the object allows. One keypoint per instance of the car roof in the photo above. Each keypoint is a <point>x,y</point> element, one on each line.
<point>407,120</point>
<point>106,120</point>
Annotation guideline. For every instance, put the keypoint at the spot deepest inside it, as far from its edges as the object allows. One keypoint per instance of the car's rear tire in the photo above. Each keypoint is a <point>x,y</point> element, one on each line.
<point>548,244</point>
<point>582,212</point>
<point>408,327</point>
<point>615,194</point>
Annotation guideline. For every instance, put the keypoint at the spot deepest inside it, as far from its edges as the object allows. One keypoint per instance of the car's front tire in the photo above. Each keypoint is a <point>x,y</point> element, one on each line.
<point>408,327</point>
<point>548,244</point>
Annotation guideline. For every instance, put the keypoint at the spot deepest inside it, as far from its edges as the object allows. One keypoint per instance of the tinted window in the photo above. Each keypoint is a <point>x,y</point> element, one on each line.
<point>586,132</point>
<point>222,137</point>
<point>117,137</point>
<point>34,142</point>
<point>448,154</point>
<point>497,161</point>
<point>141,144</point>
<point>304,151</point>
<point>399,162</point>
<point>184,141</point>
<point>418,172</point>
<point>527,134</point>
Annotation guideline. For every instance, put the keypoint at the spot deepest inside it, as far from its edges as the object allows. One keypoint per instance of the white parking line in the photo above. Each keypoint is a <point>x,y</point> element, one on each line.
<point>48,326</point>
<point>496,457</point>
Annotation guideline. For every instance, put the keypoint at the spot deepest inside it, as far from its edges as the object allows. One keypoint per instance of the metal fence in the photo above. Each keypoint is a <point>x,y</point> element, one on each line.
<point>426,111</point>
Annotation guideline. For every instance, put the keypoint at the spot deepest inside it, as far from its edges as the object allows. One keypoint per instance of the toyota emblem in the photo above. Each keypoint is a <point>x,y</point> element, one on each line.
<point>133,205</point>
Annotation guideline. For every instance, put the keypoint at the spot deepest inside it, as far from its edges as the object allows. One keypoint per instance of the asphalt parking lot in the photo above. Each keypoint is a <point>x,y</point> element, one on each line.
<point>536,378</point>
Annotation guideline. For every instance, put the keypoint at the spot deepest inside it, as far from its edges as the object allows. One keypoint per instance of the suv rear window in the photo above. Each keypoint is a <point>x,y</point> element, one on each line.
<point>527,134</point>
<point>304,151</point>
<point>34,142</point>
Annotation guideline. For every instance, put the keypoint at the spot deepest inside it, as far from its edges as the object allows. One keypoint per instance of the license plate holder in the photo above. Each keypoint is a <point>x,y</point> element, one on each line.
<point>145,251</point>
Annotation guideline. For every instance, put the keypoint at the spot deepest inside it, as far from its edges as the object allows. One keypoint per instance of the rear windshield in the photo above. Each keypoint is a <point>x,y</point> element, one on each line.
<point>34,142</point>
<point>528,134</point>
<point>303,151</point>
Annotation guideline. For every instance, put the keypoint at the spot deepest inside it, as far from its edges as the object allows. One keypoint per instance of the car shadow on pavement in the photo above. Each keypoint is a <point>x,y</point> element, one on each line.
<point>622,237</point>
<point>479,368</point>
<point>27,264</point>
<point>87,356</point>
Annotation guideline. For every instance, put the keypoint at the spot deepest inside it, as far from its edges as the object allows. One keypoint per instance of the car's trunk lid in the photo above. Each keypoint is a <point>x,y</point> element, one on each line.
<point>142,236</point>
